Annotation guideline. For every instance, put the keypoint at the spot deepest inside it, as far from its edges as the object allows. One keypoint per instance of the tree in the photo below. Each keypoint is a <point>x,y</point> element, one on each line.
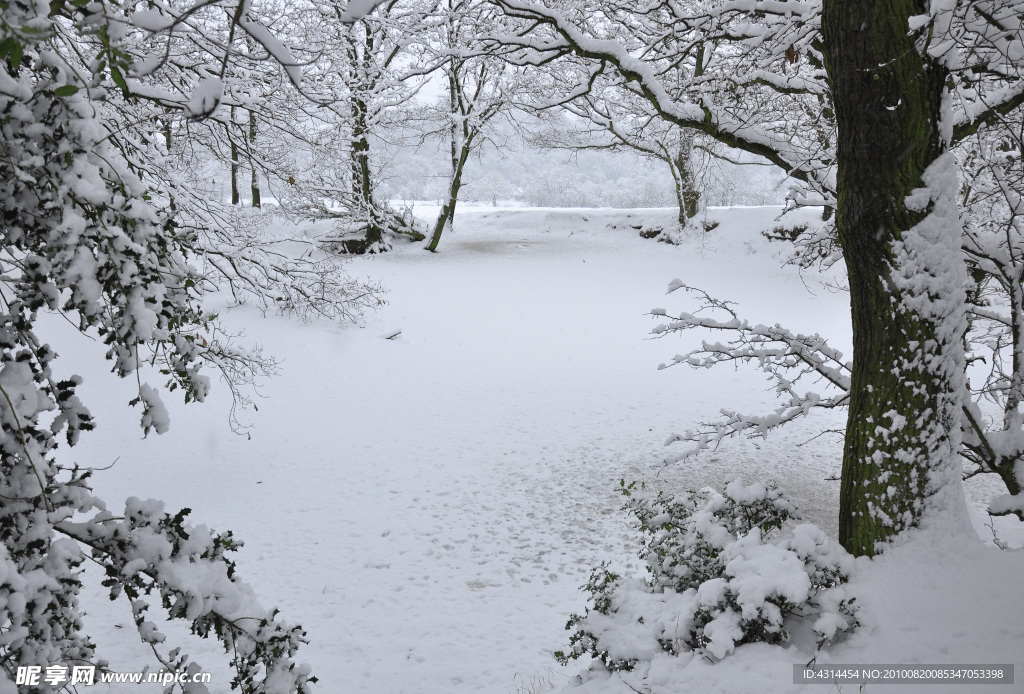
<point>480,87</point>
<point>266,113</point>
<point>611,125</point>
<point>380,75</point>
<point>861,103</point>
<point>898,225</point>
<point>308,142</point>
<point>91,231</point>
<point>607,117</point>
<point>993,242</point>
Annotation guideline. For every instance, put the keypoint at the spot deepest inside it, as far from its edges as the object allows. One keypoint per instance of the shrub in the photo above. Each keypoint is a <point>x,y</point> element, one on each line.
<point>719,578</point>
<point>784,233</point>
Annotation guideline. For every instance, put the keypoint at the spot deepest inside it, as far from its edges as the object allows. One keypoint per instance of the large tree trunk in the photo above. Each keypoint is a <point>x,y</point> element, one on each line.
<point>362,180</point>
<point>362,77</point>
<point>907,279</point>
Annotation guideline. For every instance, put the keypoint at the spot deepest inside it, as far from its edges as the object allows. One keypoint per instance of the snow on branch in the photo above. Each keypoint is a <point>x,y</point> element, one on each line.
<point>90,235</point>
<point>148,551</point>
<point>993,246</point>
<point>757,46</point>
<point>787,357</point>
<point>982,44</point>
<point>239,252</point>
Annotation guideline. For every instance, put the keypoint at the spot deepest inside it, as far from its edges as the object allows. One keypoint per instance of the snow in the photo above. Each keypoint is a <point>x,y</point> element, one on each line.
<point>205,97</point>
<point>155,415</point>
<point>280,52</point>
<point>152,20</point>
<point>357,9</point>
<point>425,494</point>
<point>930,274</point>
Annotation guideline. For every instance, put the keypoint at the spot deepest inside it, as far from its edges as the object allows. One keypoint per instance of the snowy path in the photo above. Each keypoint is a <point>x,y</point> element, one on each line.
<point>428,506</point>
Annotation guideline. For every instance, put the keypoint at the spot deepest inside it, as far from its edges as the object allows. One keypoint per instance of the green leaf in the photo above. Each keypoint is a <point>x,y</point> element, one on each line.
<point>118,78</point>
<point>65,90</point>
<point>16,56</point>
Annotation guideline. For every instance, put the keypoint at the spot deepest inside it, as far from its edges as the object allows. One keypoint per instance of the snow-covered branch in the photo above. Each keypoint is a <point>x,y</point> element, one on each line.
<point>91,232</point>
<point>147,551</point>
<point>775,58</point>
<point>786,357</point>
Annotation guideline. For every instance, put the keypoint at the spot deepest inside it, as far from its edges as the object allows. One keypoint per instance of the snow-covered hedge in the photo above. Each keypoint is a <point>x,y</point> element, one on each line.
<point>90,233</point>
<point>719,578</point>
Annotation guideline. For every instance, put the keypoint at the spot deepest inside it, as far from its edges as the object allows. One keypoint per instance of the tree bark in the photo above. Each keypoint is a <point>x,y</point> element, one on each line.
<point>254,185</point>
<point>361,51</point>
<point>362,178</point>
<point>235,197</point>
<point>902,435</point>
<point>687,196</point>
<point>447,214</point>
<point>460,142</point>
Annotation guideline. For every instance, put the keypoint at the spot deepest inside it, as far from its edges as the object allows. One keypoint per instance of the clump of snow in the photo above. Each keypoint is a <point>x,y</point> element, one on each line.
<point>154,414</point>
<point>357,9</point>
<point>928,272</point>
<point>205,98</point>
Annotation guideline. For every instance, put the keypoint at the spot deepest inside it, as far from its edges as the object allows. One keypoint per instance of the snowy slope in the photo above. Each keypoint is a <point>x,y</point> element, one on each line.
<point>427,506</point>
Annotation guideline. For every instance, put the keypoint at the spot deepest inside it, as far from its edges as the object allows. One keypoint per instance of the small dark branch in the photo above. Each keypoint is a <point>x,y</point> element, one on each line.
<point>989,117</point>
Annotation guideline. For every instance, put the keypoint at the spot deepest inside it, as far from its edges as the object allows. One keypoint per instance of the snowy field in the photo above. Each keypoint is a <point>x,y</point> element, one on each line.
<point>427,506</point>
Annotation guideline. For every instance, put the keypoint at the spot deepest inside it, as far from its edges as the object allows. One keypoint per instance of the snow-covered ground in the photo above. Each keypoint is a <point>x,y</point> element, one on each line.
<point>427,506</point>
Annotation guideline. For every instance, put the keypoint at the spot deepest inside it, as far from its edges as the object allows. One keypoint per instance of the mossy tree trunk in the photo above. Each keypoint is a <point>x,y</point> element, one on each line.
<point>902,436</point>
<point>362,176</point>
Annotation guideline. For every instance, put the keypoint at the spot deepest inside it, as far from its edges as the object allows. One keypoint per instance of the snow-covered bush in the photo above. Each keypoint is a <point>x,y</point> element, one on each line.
<point>719,578</point>
<point>87,232</point>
